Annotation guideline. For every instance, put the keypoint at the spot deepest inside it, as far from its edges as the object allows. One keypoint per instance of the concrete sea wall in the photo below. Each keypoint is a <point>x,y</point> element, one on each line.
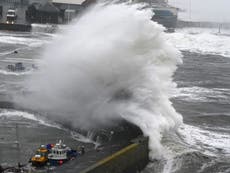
<point>130,159</point>
<point>15,27</point>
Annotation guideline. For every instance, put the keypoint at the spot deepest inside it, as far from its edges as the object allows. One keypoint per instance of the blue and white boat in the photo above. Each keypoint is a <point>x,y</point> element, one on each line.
<point>60,154</point>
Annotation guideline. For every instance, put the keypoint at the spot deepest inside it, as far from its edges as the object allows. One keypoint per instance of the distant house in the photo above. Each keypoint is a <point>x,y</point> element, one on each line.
<point>71,8</point>
<point>68,8</point>
<point>48,13</point>
<point>42,13</point>
<point>32,15</point>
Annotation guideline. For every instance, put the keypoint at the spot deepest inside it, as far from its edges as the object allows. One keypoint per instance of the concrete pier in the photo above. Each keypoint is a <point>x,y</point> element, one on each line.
<point>130,159</point>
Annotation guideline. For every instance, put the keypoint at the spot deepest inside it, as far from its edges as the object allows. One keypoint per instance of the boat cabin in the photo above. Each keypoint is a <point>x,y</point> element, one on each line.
<point>59,154</point>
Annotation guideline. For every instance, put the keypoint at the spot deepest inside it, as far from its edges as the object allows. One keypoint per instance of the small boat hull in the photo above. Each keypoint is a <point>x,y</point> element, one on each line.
<point>39,164</point>
<point>54,162</point>
<point>41,157</point>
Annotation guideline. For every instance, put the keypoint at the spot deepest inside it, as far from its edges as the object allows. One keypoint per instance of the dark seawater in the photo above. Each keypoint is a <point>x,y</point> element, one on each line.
<point>202,144</point>
<point>205,81</point>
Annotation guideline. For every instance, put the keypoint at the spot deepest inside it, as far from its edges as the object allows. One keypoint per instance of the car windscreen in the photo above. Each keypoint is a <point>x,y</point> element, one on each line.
<point>11,13</point>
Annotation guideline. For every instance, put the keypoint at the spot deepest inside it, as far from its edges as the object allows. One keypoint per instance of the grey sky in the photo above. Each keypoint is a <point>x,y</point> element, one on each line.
<point>204,10</point>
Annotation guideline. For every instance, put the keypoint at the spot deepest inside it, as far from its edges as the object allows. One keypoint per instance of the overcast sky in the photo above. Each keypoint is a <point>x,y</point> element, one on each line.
<point>204,10</point>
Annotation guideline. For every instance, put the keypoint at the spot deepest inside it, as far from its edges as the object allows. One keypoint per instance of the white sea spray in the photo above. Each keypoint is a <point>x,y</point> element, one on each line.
<point>113,62</point>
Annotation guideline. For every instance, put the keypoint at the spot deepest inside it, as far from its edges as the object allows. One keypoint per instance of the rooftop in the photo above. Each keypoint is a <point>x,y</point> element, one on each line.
<point>75,2</point>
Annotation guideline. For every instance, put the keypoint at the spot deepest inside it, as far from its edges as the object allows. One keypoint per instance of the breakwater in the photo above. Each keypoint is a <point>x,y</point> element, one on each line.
<point>131,158</point>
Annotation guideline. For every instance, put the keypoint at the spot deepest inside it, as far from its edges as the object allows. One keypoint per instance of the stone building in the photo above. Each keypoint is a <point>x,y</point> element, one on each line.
<point>54,11</point>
